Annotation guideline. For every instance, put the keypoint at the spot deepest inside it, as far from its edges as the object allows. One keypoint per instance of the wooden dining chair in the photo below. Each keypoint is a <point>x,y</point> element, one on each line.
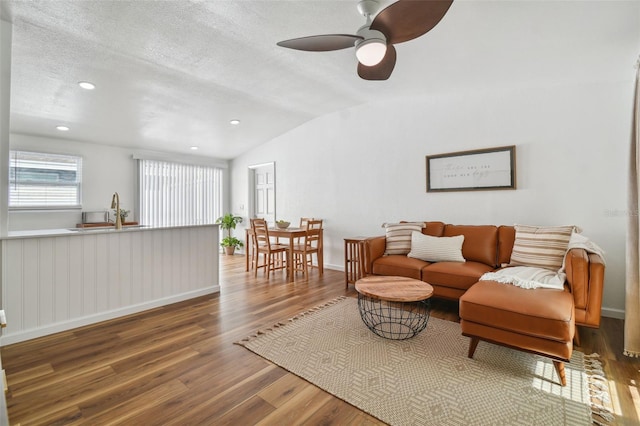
<point>273,254</point>
<point>303,225</point>
<point>304,221</point>
<point>311,244</point>
<point>250,245</point>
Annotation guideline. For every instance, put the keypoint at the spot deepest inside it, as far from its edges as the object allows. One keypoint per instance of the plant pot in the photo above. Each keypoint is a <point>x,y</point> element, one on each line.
<point>229,250</point>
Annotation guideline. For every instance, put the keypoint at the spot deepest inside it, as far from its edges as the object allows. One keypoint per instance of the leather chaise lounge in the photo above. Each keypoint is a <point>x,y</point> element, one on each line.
<point>541,321</point>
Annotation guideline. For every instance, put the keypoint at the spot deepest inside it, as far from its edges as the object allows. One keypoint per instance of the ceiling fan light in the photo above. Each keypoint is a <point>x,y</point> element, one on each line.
<point>370,52</point>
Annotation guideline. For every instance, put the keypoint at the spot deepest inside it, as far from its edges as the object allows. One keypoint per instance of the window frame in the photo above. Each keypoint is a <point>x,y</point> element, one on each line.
<point>44,207</point>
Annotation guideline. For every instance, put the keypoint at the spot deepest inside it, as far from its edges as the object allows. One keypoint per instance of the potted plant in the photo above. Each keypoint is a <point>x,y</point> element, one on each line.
<point>229,222</point>
<point>230,244</point>
<point>123,214</point>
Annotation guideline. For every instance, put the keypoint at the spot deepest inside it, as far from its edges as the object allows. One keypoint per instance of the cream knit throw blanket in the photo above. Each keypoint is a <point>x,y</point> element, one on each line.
<point>530,277</point>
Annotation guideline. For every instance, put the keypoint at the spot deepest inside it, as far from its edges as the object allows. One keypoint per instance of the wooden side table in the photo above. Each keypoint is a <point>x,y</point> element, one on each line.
<point>353,260</point>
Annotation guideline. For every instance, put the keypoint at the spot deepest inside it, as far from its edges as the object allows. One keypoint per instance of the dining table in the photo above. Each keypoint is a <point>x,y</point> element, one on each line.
<point>290,233</point>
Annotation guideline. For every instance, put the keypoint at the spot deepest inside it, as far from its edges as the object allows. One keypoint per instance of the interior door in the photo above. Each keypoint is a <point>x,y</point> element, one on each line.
<point>264,192</point>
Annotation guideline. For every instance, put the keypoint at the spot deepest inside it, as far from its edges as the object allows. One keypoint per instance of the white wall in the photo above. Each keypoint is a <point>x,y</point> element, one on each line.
<point>364,166</point>
<point>105,170</point>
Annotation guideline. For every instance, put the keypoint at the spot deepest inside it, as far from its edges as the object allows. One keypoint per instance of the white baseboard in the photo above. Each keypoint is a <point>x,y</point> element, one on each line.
<point>334,267</point>
<point>8,339</point>
<point>613,313</point>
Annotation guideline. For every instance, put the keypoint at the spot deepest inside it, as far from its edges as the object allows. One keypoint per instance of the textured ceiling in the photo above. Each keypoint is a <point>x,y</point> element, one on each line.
<point>171,74</point>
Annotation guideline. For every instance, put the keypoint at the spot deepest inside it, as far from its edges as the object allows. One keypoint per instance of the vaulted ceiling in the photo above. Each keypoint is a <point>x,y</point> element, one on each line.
<point>172,74</point>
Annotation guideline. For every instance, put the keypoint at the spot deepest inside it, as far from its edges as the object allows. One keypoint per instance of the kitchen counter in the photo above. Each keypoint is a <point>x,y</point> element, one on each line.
<point>59,279</point>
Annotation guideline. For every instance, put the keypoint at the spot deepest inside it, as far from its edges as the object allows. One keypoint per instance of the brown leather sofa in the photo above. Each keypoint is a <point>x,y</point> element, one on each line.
<point>541,321</point>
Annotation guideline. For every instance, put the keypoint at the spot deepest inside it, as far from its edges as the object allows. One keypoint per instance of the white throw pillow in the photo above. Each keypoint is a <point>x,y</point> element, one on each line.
<point>399,236</point>
<point>436,249</point>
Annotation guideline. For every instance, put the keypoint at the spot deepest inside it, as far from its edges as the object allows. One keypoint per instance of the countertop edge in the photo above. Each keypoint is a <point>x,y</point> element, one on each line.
<point>70,232</point>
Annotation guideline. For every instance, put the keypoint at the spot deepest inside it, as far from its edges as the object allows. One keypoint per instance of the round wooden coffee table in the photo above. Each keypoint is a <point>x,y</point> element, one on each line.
<point>394,307</point>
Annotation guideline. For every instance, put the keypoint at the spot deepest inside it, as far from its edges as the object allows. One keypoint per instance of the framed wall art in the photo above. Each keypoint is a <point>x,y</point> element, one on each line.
<point>480,169</point>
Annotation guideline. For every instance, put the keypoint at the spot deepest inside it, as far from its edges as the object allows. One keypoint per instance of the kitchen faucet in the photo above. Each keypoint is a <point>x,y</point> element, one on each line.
<point>115,204</point>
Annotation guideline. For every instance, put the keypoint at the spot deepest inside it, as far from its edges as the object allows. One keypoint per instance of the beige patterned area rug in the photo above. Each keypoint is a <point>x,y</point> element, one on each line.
<point>428,380</point>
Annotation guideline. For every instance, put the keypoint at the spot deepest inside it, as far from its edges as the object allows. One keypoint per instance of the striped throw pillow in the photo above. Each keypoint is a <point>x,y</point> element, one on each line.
<point>398,236</point>
<point>540,246</point>
<point>436,249</point>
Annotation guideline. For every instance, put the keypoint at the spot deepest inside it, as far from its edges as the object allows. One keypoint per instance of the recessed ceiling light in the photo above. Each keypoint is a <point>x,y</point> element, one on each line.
<point>62,128</point>
<point>193,148</point>
<point>86,85</point>
<point>235,122</point>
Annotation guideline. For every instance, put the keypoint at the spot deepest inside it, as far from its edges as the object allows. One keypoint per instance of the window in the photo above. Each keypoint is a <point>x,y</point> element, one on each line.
<point>40,180</point>
<point>175,194</point>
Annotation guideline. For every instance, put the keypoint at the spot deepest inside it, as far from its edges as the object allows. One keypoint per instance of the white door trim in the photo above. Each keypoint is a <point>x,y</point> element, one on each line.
<point>251,210</point>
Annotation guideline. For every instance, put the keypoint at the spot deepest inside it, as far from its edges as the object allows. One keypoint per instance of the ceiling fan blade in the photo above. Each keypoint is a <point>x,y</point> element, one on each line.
<point>381,71</point>
<point>407,19</point>
<point>321,43</point>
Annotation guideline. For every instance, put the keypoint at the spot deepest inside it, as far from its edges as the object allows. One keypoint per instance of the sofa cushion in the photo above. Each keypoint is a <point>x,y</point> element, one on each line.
<point>398,236</point>
<point>480,242</point>
<point>542,313</point>
<point>454,274</point>
<point>506,237</point>
<point>399,265</point>
<point>436,249</point>
<point>435,229</point>
<point>540,246</point>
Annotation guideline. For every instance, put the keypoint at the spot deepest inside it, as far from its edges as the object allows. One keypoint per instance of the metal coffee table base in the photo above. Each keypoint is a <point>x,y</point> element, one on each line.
<point>394,320</point>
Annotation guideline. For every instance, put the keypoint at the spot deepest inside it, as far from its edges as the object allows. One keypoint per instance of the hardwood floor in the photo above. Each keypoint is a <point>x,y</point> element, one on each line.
<point>177,365</point>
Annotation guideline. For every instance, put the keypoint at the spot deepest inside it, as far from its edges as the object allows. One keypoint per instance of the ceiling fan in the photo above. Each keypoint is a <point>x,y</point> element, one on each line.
<point>402,21</point>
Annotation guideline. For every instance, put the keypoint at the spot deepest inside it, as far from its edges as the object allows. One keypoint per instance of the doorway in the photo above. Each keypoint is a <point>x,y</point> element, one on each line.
<point>262,192</point>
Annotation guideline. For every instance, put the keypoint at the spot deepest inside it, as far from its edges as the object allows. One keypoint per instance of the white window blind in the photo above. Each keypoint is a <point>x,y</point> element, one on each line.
<point>175,194</point>
<point>41,180</point>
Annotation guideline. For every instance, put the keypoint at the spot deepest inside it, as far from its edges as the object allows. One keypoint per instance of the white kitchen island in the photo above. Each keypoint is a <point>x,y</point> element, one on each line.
<point>56,280</point>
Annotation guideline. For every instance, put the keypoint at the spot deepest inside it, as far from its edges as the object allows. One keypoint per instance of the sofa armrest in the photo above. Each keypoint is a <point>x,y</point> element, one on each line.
<point>585,276</point>
<point>374,248</point>
<point>596,286</point>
